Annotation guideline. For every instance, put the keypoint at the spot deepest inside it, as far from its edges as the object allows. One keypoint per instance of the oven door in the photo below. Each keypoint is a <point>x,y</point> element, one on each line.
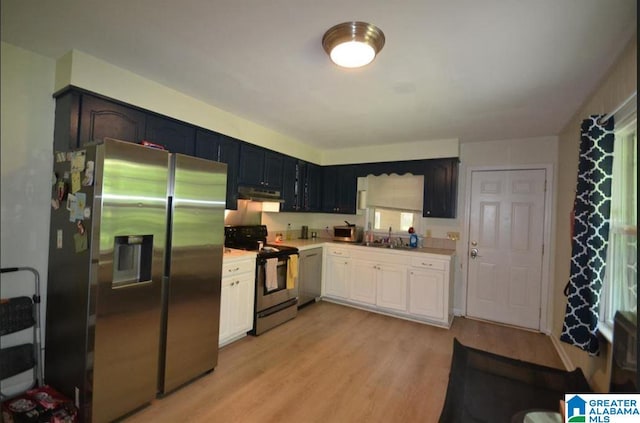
<point>267,298</point>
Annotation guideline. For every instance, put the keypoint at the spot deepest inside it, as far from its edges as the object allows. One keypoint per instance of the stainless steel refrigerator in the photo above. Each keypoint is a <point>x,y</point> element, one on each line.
<point>133,291</point>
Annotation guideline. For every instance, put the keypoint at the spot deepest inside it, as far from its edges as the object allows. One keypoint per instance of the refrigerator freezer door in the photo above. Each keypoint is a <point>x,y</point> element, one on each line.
<point>192,295</point>
<point>131,205</point>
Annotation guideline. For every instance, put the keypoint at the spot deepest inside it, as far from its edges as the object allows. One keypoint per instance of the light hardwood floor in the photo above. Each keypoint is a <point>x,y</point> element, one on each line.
<point>339,364</point>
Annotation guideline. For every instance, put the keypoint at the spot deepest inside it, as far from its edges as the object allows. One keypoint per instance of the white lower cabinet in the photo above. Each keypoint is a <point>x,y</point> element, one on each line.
<point>431,288</point>
<point>378,283</point>
<point>392,287</point>
<point>407,284</point>
<point>236,300</point>
<point>363,281</point>
<point>427,288</point>
<point>337,273</point>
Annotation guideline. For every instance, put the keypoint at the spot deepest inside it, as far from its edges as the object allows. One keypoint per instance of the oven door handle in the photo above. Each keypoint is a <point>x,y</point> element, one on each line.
<point>282,260</point>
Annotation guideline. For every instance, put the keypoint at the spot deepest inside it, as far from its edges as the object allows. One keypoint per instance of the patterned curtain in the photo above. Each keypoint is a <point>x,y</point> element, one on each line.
<point>590,234</point>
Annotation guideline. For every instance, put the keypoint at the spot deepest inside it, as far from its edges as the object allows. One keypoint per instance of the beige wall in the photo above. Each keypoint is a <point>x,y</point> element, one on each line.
<point>417,150</point>
<point>620,82</point>
<point>26,143</point>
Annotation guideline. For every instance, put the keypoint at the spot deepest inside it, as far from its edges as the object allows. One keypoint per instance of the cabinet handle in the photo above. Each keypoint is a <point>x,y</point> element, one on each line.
<point>312,255</point>
<point>237,282</point>
<point>346,262</point>
<point>427,264</point>
<point>233,270</point>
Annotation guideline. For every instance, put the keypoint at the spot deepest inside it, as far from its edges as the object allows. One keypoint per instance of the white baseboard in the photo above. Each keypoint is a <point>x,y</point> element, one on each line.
<point>562,353</point>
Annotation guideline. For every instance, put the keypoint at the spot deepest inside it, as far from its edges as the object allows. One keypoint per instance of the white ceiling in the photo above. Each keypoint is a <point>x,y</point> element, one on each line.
<point>467,69</point>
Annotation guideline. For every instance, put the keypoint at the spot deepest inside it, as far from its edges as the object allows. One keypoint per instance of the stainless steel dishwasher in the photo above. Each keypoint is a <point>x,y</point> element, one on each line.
<point>309,276</point>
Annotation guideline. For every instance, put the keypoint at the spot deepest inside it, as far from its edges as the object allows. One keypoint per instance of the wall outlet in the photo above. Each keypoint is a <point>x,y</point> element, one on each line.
<point>427,233</point>
<point>454,236</point>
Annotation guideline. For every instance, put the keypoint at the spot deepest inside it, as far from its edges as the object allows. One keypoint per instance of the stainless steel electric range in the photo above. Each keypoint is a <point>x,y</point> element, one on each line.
<point>275,303</point>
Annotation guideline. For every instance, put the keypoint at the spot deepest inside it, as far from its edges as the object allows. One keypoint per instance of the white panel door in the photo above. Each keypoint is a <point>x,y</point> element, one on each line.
<point>226,301</point>
<point>392,287</point>
<point>337,276</point>
<point>242,312</point>
<point>505,246</point>
<point>363,281</point>
<point>426,290</point>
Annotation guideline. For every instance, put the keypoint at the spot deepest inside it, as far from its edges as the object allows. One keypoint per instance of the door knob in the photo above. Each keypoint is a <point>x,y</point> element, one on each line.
<point>474,253</point>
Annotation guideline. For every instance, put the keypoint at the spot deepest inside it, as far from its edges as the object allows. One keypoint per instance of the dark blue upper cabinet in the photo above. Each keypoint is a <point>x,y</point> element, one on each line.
<point>251,170</point>
<point>207,145</point>
<point>340,185</point>
<point>312,188</point>
<point>291,181</point>
<point>301,186</point>
<point>83,117</point>
<point>101,119</point>
<point>213,146</point>
<point>273,163</point>
<point>175,136</point>
<point>260,167</point>
<point>440,188</point>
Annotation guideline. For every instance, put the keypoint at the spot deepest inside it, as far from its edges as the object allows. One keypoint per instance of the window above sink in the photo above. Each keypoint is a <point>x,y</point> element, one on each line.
<point>398,220</point>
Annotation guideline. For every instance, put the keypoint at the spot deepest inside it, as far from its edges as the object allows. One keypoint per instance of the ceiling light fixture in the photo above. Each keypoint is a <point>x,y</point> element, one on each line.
<point>353,44</point>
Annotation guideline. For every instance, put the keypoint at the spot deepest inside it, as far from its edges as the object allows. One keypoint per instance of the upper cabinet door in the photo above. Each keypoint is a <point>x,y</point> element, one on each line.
<point>229,153</point>
<point>440,188</point>
<point>217,147</point>
<point>207,145</point>
<point>313,188</point>
<point>174,136</point>
<point>329,194</point>
<point>273,163</point>
<point>251,170</point>
<point>260,167</point>
<point>347,189</point>
<point>290,184</point>
<point>101,118</point>
<point>339,189</point>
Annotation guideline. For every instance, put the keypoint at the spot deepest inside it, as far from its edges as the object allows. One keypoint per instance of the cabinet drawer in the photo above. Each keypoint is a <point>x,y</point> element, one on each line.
<point>426,263</point>
<point>238,267</point>
<point>337,252</point>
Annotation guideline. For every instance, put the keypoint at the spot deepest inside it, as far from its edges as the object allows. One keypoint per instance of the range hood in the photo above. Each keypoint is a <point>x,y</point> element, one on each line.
<point>259,194</point>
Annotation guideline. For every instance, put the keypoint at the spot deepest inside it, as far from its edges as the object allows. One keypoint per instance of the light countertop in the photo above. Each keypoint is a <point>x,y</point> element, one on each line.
<point>306,244</point>
<point>231,254</point>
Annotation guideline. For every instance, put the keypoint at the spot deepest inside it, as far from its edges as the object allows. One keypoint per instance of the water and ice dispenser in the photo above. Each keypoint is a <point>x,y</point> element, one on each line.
<point>132,260</point>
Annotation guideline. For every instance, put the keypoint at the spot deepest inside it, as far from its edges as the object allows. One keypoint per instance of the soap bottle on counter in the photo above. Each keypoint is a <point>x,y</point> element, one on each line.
<point>288,233</point>
<point>413,238</point>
